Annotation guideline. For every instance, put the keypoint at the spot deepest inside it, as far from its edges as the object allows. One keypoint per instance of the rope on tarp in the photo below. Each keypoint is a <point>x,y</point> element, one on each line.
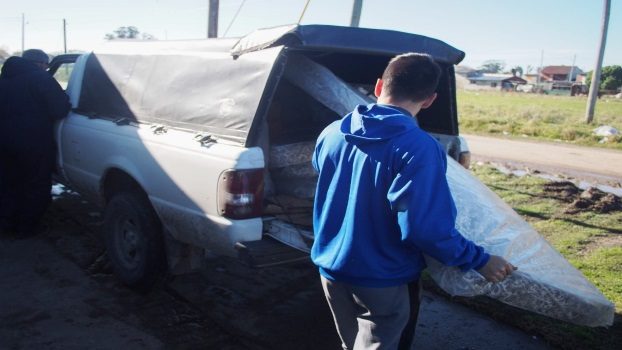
<point>234,18</point>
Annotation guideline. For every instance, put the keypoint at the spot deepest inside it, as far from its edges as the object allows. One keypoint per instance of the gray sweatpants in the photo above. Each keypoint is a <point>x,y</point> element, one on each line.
<point>374,318</point>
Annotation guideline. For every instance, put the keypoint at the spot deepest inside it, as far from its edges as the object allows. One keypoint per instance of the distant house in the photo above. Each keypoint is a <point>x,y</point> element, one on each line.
<point>582,78</point>
<point>465,71</point>
<point>531,78</point>
<point>560,73</point>
<point>499,81</point>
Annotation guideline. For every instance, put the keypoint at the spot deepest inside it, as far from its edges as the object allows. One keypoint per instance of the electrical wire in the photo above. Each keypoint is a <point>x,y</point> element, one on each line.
<point>303,11</point>
<point>234,17</point>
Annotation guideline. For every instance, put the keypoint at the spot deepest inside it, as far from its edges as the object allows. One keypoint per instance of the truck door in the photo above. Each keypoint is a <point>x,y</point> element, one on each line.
<point>61,68</point>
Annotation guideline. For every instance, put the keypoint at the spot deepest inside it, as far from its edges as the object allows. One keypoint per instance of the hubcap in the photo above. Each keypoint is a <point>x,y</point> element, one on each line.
<point>128,243</point>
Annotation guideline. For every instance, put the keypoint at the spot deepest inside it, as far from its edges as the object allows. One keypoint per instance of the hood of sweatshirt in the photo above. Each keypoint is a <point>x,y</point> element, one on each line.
<point>376,122</point>
<point>15,66</point>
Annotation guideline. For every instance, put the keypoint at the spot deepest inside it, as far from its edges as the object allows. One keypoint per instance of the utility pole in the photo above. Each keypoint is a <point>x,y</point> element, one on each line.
<point>357,6</point>
<point>594,87</point>
<point>65,35</point>
<point>540,68</point>
<point>23,31</point>
<point>574,59</point>
<point>212,19</point>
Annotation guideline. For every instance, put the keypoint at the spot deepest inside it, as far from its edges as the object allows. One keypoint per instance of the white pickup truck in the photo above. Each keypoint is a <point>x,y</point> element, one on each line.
<point>204,147</point>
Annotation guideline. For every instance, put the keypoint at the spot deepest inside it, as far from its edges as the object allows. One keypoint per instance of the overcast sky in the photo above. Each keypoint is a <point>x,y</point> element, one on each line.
<point>516,32</point>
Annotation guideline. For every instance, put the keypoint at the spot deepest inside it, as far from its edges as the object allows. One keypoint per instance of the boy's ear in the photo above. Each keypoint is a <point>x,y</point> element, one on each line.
<point>378,88</point>
<point>428,101</point>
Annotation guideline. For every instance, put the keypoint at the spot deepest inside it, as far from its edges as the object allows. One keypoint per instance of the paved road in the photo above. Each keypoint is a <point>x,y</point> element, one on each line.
<point>582,162</point>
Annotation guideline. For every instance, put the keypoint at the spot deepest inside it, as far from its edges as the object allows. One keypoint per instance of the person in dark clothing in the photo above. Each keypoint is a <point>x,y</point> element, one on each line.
<point>31,100</point>
<point>382,201</point>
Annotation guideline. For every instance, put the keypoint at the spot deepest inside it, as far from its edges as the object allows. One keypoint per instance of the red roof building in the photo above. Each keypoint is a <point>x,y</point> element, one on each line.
<point>560,73</point>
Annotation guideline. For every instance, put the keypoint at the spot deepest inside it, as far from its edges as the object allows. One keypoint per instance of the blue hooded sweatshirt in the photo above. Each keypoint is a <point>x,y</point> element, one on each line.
<point>382,200</point>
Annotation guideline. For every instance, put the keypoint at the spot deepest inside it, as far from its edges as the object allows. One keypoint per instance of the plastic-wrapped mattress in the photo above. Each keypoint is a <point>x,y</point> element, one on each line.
<point>544,283</point>
<point>291,169</point>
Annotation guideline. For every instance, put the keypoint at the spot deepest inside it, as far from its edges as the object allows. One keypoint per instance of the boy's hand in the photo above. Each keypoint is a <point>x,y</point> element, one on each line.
<point>496,269</point>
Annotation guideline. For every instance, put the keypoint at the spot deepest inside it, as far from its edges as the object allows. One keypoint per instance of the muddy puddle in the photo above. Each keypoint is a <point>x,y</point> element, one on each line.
<point>590,199</point>
<point>613,187</point>
<point>580,195</point>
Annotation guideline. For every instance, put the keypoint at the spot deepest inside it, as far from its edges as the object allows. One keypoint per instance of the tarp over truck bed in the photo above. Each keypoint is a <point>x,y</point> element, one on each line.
<point>326,38</point>
<point>223,87</point>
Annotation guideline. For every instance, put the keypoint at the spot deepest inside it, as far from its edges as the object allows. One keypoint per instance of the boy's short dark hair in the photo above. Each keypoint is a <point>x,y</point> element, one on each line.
<point>411,76</point>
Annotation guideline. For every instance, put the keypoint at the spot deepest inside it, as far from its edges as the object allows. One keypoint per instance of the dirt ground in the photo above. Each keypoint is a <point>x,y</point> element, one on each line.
<point>58,292</point>
<point>591,199</point>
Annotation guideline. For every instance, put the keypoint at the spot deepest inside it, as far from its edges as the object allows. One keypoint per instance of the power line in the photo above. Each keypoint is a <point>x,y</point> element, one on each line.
<point>303,11</point>
<point>23,30</point>
<point>234,17</point>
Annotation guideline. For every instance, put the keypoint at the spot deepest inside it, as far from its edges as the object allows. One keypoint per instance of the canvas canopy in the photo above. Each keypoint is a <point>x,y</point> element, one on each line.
<point>221,87</point>
<point>335,38</point>
<point>192,86</point>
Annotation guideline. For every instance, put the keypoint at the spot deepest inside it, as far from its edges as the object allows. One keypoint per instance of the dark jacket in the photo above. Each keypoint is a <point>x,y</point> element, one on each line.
<point>31,100</point>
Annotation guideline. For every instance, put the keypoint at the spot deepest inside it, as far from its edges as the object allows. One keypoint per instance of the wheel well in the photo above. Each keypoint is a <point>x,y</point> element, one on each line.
<point>116,181</point>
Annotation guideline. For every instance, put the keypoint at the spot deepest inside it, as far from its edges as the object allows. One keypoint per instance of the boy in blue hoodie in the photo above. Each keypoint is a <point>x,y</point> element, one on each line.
<point>382,201</point>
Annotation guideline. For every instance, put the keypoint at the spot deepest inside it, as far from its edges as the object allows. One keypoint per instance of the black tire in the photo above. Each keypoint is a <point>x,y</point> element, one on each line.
<point>134,241</point>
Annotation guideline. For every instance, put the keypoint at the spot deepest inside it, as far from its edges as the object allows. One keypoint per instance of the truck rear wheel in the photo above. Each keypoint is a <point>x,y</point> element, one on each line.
<point>133,235</point>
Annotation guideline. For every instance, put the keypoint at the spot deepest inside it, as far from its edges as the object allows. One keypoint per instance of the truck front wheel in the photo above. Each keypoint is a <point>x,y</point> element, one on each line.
<point>133,235</point>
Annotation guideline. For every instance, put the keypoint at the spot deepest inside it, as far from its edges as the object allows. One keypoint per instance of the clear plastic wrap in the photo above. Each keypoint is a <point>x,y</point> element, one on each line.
<point>291,169</point>
<point>321,84</point>
<point>544,283</point>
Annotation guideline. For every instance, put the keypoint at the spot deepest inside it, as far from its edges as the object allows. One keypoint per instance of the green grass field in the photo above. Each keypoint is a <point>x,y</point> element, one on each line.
<point>539,116</point>
<point>589,240</point>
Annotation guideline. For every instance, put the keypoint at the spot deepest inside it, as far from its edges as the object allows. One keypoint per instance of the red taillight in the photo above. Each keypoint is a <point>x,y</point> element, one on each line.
<point>240,193</point>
